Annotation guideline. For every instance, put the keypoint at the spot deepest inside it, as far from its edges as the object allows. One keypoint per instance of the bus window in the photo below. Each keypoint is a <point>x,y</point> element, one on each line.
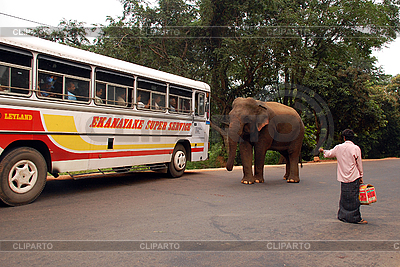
<point>200,104</point>
<point>113,88</point>
<point>153,93</point>
<point>182,97</point>
<point>77,90</point>
<point>63,80</point>
<point>15,66</point>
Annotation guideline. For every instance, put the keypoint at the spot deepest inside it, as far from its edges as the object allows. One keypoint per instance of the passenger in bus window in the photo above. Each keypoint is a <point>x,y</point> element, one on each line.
<point>121,98</point>
<point>99,95</point>
<point>46,87</point>
<point>157,102</point>
<point>172,104</point>
<point>141,99</point>
<point>71,91</point>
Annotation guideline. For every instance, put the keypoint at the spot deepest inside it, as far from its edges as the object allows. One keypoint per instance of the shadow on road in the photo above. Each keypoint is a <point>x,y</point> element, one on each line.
<point>70,186</point>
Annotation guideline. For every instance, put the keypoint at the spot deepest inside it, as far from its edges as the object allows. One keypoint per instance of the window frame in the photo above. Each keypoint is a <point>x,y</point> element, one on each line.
<point>153,93</point>
<point>180,98</point>
<point>63,96</point>
<point>128,88</point>
<point>15,58</point>
<point>9,87</point>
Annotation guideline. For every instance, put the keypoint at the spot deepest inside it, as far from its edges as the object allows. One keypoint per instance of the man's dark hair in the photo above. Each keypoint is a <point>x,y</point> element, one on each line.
<point>348,134</point>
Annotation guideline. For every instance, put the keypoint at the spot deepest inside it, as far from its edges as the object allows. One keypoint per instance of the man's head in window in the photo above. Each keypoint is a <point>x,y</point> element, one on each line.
<point>71,91</point>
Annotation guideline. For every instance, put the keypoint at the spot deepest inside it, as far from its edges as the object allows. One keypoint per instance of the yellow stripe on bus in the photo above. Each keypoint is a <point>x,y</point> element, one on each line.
<point>66,124</point>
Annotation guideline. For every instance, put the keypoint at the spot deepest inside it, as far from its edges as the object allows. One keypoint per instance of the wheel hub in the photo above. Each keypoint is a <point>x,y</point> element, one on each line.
<point>180,161</point>
<point>23,176</point>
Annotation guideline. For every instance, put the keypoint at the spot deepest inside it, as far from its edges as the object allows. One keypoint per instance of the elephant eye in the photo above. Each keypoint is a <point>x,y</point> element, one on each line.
<point>245,119</point>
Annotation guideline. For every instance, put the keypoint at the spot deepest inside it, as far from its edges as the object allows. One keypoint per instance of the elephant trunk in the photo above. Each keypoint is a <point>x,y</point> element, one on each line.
<point>233,138</point>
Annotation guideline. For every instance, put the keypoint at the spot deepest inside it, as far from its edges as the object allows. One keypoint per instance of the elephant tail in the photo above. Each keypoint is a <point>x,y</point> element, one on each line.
<point>301,160</point>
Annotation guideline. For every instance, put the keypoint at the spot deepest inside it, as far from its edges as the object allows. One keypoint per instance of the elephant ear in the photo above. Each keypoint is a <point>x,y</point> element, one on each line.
<point>263,117</point>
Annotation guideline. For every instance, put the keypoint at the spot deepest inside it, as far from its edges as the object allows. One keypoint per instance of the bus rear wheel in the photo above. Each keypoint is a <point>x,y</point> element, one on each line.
<point>23,174</point>
<point>177,166</point>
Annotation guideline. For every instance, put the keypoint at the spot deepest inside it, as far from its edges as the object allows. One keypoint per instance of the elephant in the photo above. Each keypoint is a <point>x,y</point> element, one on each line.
<point>264,126</point>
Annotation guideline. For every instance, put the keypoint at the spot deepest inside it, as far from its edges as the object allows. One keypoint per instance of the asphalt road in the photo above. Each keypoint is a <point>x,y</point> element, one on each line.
<point>205,218</point>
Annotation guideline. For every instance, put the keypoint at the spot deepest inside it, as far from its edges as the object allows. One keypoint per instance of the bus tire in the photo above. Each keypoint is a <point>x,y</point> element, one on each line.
<point>177,165</point>
<point>23,175</point>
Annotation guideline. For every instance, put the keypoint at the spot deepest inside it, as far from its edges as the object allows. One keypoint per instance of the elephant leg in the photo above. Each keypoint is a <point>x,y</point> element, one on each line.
<point>259,159</point>
<point>285,154</point>
<point>293,166</point>
<point>246,155</point>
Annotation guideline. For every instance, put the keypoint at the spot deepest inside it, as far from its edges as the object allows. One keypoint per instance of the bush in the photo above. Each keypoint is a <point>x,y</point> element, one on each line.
<point>217,158</point>
<point>272,157</point>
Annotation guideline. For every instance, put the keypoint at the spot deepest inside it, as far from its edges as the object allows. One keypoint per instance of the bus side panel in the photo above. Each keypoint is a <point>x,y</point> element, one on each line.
<point>81,141</point>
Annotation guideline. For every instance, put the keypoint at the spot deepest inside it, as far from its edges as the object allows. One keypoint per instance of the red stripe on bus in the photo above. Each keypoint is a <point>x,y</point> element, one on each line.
<point>128,153</point>
<point>198,149</point>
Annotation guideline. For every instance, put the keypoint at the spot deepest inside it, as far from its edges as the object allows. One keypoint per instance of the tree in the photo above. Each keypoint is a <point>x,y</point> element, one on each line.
<point>387,142</point>
<point>70,32</point>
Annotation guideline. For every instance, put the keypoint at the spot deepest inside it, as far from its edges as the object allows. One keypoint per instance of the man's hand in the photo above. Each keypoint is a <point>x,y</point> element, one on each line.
<point>361,180</point>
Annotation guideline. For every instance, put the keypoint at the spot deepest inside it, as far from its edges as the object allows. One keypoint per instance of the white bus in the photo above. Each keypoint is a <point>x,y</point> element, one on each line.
<point>64,109</point>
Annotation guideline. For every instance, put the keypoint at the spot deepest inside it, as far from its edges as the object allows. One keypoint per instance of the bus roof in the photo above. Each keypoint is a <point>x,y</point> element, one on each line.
<point>59,50</point>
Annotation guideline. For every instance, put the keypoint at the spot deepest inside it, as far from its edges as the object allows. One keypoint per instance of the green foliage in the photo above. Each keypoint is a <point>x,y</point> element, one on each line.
<point>384,141</point>
<point>217,158</point>
<point>309,142</point>
<point>272,157</point>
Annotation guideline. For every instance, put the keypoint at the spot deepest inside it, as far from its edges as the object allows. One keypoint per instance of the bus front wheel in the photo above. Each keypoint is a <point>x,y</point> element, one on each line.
<point>177,165</point>
<point>23,174</point>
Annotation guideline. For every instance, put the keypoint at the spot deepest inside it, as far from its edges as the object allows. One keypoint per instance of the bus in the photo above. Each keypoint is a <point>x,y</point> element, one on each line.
<point>66,110</point>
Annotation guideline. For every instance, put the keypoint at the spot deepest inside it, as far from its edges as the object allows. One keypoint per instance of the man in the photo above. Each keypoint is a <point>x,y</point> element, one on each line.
<point>140,101</point>
<point>71,91</point>
<point>172,104</point>
<point>157,102</point>
<point>46,87</point>
<point>121,98</point>
<point>98,97</point>
<point>349,173</point>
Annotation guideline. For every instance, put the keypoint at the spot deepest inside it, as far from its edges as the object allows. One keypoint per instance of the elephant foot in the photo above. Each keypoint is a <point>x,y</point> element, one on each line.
<point>293,180</point>
<point>247,180</point>
<point>259,180</point>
